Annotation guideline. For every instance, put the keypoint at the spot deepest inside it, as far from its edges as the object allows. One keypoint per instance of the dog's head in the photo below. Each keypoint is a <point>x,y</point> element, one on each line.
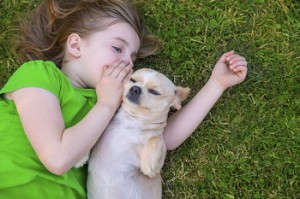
<point>151,94</point>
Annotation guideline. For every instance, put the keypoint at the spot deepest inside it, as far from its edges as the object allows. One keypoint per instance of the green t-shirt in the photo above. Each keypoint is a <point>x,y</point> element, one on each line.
<point>22,175</point>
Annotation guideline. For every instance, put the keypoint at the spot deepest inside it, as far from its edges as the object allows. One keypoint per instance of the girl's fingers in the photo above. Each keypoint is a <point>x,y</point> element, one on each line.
<point>111,68</point>
<point>233,58</point>
<point>228,54</point>
<point>124,73</point>
<point>241,71</point>
<point>119,70</point>
<point>225,55</point>
<point>127,77</point>
<point>237,63</point>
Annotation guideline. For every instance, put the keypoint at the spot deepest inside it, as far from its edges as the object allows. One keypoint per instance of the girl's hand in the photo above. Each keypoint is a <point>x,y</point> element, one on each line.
<point>111,85</point>
<point>231,69</point>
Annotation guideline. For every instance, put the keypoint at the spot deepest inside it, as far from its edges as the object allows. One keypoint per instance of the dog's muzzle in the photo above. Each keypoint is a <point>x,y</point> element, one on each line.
<point>134,94</point>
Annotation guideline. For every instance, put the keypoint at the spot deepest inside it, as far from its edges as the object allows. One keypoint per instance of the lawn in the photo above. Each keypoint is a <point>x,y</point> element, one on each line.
<point>249,144</point>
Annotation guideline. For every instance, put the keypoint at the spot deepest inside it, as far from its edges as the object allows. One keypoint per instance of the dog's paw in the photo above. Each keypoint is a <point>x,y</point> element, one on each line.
<point>149,170</point>
<point>152,156</point>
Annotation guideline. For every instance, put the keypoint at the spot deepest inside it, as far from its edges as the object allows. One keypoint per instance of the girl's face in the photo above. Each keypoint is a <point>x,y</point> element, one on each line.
<point>118,42</point>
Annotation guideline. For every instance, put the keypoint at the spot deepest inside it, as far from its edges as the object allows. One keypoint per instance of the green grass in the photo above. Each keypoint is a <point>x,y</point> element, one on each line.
<point>249,144</point>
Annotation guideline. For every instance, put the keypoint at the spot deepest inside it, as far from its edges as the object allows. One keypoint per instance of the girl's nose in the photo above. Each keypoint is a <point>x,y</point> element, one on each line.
<point>128,59</point>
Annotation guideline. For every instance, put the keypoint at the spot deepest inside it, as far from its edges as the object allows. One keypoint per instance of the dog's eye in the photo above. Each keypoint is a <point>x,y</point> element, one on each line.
<point>132,80</point>
<point>153,92</point>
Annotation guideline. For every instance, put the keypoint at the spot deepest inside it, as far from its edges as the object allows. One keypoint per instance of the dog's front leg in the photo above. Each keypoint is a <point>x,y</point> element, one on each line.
<point>152,156</point>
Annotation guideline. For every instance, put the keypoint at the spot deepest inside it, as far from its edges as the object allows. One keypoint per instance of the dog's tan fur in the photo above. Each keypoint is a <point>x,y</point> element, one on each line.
<point>126,161</point>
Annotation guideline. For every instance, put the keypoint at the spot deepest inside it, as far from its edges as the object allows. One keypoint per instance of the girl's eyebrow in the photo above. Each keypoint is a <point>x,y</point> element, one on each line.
<point>122,40</point>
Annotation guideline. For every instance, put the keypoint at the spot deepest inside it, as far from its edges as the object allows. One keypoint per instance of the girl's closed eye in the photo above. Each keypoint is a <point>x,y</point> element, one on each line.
<point>117,49</point>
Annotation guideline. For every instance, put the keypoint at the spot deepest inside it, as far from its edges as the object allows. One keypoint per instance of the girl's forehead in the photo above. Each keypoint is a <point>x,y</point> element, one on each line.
<point>113,27</point>
<point>123,26</point>
<point>119,29</point>
<point>124,33</point>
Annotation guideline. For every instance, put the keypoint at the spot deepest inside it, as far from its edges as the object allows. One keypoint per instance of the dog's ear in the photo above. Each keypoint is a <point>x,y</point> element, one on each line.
<point>180,95</point>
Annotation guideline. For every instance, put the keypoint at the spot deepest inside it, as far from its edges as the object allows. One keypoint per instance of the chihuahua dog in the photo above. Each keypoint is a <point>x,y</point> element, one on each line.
<point>126,161</point>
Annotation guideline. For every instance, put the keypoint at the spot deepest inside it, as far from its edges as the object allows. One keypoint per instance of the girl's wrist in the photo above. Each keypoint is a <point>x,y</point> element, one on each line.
<point>106,107</point>
<point>215,85</point>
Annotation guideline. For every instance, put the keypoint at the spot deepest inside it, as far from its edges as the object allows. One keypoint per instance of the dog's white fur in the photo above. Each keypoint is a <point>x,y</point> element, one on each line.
<point>126,161</point>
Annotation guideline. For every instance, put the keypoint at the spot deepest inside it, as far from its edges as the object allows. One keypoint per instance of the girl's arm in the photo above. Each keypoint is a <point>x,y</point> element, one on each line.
<point>230,70</point>
<point>58,148</point>
<point>184,122</point>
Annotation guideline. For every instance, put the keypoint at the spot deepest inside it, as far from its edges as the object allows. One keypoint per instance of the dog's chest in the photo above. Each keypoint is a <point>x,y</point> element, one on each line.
<point>131,131</point>
<point>126,135</point>
<point>120,144</point>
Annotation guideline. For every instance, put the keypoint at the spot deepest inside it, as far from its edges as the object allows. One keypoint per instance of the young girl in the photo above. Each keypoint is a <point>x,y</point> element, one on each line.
<point>56,105</point>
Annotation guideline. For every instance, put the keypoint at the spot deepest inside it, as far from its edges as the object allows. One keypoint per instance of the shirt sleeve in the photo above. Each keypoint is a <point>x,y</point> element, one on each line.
<point>38,73</point>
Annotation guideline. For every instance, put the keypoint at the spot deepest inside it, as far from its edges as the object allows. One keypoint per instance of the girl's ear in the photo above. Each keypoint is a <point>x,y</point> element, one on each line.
<point>73,45</point>
<point>180,95</point>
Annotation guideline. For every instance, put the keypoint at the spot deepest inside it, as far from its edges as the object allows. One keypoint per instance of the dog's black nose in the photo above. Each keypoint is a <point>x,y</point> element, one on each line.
<point>134,94</point>
<point>135,90</point>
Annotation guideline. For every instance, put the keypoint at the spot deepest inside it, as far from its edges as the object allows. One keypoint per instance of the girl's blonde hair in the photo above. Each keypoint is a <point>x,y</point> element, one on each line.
<point>44,34</point>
